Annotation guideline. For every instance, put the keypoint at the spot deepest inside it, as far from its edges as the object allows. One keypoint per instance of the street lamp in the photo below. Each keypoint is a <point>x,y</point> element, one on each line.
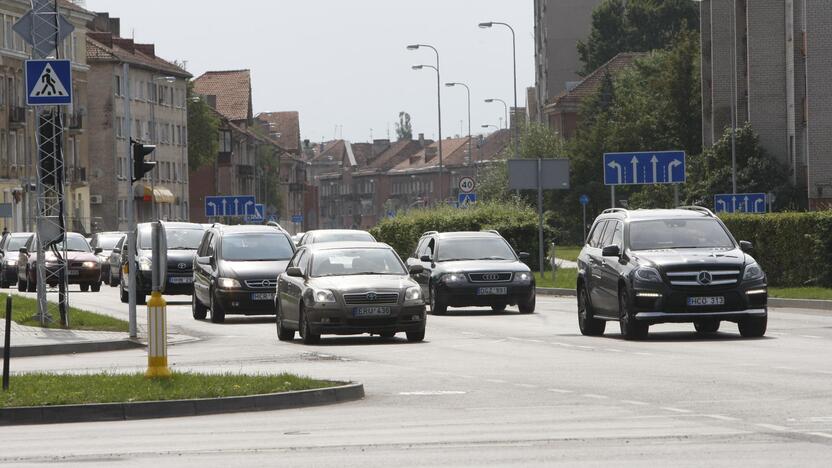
<point>438,106</point>
<point>488,25</point>
<point>490,100</point>
<point>468,90</point>
<point>490,125</point>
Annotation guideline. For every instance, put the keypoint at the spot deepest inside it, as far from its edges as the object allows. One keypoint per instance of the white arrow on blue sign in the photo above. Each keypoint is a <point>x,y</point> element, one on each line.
<point>741,203</point>
<point>640,168</point>
<point>234,205</point>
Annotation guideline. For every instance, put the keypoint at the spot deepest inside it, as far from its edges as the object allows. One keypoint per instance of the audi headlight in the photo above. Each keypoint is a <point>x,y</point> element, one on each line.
<point>648,275</point>
<point>145,264</point>
<point>413,294</point>
<point>51,264</point>
<point>228,283</point>
<point>453,277</point>
<point>323,296</point>
<point>89,264</point>
<point>522,277</point>
<point>752,272</point>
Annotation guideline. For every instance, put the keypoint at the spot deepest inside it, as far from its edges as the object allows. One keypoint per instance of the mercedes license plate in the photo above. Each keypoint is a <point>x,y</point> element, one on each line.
<point>262,296</point>
<point>706,301</point>
<point>371,312</point>
<point>501,291</point>
<point>180,280</point>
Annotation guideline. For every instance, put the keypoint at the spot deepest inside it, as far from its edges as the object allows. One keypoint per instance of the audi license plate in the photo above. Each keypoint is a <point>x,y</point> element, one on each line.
<point>371,312</point>
<point>180,280</point>
<point>502,291</point>
<point>262,296</point>
<point>706,301</point>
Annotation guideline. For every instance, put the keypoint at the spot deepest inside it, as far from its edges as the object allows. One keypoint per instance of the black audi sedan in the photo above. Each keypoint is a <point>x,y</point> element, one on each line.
<point>236,268</point>
<point>462,269</point>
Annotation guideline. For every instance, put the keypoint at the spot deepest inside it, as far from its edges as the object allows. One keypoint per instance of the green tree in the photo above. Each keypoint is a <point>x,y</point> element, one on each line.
<point>404,129</point>
<point>203,134</point>
<point>634,26</point>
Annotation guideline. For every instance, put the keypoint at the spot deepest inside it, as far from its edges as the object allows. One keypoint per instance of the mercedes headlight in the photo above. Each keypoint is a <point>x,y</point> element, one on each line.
<point>413,294</point>
<point>228,283</point>
<point>89,264</point>
<point>752,272</point>
<point>453,277</point>
<point>145,264</point>
<point>323,296</point>
<point>648,275</point>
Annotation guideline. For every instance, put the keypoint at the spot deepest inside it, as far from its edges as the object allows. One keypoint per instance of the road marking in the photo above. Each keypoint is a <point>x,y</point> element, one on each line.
<point>821,419</point>
<point>495,381</point>
<point>433,393</point>
<point>560,390</point>
<point>535,341</point>
<point>613,350</point>
<point>525,385</point>
<point>567,345</point>
<point>597,397</point>
<point>810,336</point>
<point>676,410</point>
<point>641,353</point>
<point>784,368</point>
<point>634,402</point>
<point>584,347</point>
<point>773,427</point>
<point>820,434</point>
<point>467,376</point>
<point>720,417</point>
<point>824,372</point>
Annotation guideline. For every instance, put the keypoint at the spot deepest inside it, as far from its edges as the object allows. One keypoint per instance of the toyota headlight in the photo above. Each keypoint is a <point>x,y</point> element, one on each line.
<point>145,264</point>
<point>89,264</point>
<point>228,283</point>
<point>413,294</point>
<point>752,272</point>
<point>648,275</point>
<point>323,296</point>
<point>453,277</point>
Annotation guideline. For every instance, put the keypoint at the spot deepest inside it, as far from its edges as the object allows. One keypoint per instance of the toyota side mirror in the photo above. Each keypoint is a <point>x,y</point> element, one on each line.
<point>203,260</point>
<point>416,269</point>
<point>611,251</point>
<point>746,246</point>
<point>294,272</point>
<point>425,258</point>
<point>523,255</point>
<point>98,250</point>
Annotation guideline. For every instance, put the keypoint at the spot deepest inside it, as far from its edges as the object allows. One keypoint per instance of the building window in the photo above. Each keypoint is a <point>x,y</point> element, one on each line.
<point>117,85</point>
<point>8,37</point>
<point>225,141</point>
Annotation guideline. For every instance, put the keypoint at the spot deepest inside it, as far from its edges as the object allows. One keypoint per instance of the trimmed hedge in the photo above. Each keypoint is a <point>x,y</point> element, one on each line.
<point>794,249</point>
<point>517,223</point>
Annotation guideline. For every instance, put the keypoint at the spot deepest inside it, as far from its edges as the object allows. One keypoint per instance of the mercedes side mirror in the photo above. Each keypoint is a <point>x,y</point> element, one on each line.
<point>425,258</point>
<point>416,269</point>
<point>611,251</point>
<point>294,272</point>
<point>746,246</point>
<point>523,255</point>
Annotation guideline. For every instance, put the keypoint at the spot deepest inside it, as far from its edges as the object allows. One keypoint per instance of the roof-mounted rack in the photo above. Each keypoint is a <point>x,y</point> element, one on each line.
<point>492,231</point>
<point>615,210</point>
<point>700,209</point>
<point>430,233</point>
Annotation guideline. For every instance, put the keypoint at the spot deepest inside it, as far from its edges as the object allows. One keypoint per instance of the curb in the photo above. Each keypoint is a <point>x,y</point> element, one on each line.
<point>179,408</point>
<point>557,292</point>
<point>71,348</point>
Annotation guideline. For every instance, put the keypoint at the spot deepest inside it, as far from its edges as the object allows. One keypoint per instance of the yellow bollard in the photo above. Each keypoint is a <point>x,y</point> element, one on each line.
<point>157,340</point>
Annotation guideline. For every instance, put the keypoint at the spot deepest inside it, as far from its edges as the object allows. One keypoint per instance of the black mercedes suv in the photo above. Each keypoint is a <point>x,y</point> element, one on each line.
<point>472,269</point>
<point>643,267</point>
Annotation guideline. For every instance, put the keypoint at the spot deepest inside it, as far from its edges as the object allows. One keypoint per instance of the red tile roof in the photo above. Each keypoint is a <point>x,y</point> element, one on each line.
<point>103,47</point>
<point>453,154</point>
<point>590,85</point>
<point>232,89</point>
<point>287,124</point>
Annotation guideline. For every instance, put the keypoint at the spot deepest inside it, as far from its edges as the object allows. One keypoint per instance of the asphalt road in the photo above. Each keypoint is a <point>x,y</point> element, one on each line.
<point>484,389</point>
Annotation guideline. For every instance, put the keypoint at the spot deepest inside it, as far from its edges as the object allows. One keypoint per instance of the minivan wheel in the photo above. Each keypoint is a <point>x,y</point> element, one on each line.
<point>589,325</point>
<point>437,307</point>
<point>283,333</point>
<point>706,327</point>
<point>198,309</point>
<point>631,328</point>
<point>306,334</point>
<point>753,327</point>
<point>85,287</point>
<point>217,314</point>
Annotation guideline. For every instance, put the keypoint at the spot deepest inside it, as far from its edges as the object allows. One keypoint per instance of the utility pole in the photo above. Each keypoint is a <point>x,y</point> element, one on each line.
<point>131,218</point>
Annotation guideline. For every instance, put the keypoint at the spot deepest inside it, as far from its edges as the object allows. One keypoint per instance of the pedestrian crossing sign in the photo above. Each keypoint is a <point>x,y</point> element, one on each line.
<point>48,82</point>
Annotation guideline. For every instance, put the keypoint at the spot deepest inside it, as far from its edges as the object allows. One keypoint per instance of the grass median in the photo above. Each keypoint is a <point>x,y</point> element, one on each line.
<point>567,252</point>
<point>565,278</point>
<point>24,310</point>
<point>801,293</point>
<point>67,389</point>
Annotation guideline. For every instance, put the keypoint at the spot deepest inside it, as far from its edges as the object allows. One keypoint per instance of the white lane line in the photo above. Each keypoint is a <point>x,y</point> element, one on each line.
<point>773,427</point>
<point>824,372</point>
<point>643,354</point>
<point>811,336</point>
<point>466,376</point>
<point>566,345</point>
<point>720,417</point>
<point>635,402</point>
<point>525,385</point>
<point>820,434</point>
<point>584,347</point>
<point>784,368</point>
<point>560,390</point>
<point>594,396</point>
<point>676,410</point>
<point>821,419</point>
<point>613,350</point>
<point>535,341</point>
<point>495,381</point>
<point>433,393</point>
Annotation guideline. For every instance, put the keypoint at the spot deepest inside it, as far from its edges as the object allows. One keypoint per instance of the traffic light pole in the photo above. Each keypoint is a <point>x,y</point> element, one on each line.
<point>131,218</point>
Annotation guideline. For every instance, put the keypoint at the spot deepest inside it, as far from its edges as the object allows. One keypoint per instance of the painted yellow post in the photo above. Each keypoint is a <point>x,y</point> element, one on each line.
<point>157,340</point>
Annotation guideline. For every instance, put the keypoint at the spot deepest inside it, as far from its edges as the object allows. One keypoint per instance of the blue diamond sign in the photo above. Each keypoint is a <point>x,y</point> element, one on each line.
<point>48,82</point>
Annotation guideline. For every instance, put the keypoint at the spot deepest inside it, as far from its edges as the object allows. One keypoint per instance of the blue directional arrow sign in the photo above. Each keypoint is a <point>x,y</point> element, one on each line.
<point>741,203</point>
<point>48,82</point>
<point>466,199</point>
<point>650,167</point>
<point>257,213</point>
<point>297,218</point>
<point>234,205</point>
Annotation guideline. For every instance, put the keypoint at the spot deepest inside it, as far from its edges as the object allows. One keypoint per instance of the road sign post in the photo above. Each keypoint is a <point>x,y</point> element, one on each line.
<point>584,201</point>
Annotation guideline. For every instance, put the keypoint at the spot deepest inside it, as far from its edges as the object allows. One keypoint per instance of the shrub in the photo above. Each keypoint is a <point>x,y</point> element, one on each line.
<point>794,249</point>
<point>516,222</point>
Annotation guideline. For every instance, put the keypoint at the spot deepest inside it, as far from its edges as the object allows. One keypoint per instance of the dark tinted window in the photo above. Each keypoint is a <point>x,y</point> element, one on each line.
<point>595,237</point>
<point>475,248</point>
<point>608,233</point>
<point>256,246</point>
<point>678,234</point>
<point>355,236</point>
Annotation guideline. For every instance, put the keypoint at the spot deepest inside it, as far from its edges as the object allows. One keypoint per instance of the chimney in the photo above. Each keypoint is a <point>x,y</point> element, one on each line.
<point>380,146</point>
<point>422,140</point>
<point>211,99</point>
<point>147,49</point>
<point>430,153</point>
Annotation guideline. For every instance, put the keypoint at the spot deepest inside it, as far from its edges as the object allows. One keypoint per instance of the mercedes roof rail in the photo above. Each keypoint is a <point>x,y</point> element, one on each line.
<point>700,209</point>
<point>430,233</point>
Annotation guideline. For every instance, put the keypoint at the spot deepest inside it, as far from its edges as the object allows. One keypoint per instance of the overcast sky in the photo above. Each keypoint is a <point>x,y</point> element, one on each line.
<point>343,62</point>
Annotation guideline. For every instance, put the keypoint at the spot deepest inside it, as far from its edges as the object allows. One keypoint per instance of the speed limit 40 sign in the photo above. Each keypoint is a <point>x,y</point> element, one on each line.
<point>467,184</point>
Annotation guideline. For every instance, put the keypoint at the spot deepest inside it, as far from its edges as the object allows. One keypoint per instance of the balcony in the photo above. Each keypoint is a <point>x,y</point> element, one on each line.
<point>77,175</point>
<point>75,122</point>
<point>245,170</point>
<point>17,116</point>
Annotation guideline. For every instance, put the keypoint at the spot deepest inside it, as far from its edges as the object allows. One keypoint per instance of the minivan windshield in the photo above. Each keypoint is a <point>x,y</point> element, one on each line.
<point>679,234</point>
<point>177,238</point>
<point>347,262</point>
<point>256,247</point>
<point>476,248</point>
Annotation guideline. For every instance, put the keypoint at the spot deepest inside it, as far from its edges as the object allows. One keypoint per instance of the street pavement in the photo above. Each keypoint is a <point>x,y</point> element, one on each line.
<point>484,389</point>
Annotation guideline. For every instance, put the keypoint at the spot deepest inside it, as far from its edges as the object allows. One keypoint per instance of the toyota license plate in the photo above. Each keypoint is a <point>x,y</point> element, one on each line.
<point>262,296</point>
<point>180,280</point>
<point>706,301</point>
<point>74,272</point>
<point>501,291</point>
<point>371,312</point>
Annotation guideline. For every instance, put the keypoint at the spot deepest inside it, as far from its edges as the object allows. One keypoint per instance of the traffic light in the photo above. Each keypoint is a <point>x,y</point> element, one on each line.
<point>140,166</point>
